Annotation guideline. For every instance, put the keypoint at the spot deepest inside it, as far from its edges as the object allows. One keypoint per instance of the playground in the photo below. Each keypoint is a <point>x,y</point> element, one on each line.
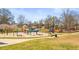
<point>8,36</point>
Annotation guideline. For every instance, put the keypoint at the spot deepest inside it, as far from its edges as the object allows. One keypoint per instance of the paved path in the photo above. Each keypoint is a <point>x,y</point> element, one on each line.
<point>5,42</point>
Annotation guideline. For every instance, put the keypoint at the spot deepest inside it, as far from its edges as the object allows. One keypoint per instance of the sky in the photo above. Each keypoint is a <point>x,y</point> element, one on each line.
<point>36,14</point>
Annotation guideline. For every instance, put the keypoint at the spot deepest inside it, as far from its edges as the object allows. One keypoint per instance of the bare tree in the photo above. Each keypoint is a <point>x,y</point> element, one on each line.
<point>49,21</point>
<point>6,16</point>
<point>21,20</point>
<point>41,23</point>
<point>69,20</point>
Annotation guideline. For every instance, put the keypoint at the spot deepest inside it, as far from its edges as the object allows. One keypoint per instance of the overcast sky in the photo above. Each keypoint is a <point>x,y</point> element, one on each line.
<point>35,14</point>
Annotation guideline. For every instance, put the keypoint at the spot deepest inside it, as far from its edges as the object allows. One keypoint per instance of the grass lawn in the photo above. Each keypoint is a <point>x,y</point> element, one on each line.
<point>68,42</point>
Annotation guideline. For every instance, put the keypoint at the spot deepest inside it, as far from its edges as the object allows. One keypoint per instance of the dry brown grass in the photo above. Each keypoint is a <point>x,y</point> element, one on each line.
<point>72,38</point>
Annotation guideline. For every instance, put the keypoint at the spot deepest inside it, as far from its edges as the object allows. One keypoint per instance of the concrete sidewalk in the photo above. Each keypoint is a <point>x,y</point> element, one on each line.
<point>5,42</point>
